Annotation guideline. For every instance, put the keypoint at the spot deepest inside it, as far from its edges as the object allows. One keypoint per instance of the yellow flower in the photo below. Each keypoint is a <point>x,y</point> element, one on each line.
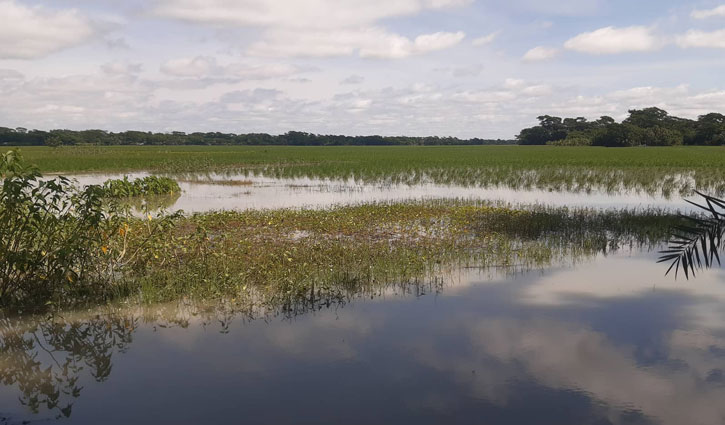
<point>149,216</point>
<point>104,249</point>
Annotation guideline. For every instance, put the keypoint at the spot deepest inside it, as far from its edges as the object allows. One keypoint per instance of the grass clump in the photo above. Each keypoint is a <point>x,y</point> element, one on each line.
<point>145,186</point>
<point>294,258</point>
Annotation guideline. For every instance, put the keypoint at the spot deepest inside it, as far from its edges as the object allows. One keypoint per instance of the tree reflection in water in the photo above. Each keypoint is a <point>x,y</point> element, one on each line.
<point>45,357</point>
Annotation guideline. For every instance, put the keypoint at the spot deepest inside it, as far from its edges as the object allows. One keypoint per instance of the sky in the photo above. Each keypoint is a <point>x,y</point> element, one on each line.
<point>464,68</point>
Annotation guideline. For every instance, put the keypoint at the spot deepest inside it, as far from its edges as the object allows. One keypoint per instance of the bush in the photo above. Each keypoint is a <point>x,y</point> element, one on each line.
<point>52,233</point>
<point>151,185</point>
<point>59,242</point>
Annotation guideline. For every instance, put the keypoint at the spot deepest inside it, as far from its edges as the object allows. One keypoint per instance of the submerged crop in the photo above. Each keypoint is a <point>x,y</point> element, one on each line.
<point>668,171</point>
<point>144,186</point>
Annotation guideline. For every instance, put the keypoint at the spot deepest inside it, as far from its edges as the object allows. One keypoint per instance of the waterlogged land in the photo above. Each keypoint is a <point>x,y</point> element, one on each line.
<point>438,310</point>
<point>670,171</point>
<point>292,254</point>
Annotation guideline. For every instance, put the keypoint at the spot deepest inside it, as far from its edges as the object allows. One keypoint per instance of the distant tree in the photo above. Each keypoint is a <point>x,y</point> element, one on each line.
<point>604,121</point>
<point>575,138</point>
<point>646,118</point>
<point>619,135</point>
<point>53,141</point>
<point>710,129</point>
<point>533,136</point>
<point>661,136</point>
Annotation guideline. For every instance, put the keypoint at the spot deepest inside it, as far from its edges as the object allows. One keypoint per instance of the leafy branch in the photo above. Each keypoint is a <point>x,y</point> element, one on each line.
<point>696,244</point>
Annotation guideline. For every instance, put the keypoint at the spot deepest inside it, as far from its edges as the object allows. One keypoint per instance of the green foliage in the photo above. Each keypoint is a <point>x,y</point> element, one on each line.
<point>59,242</point>
<point>649,126</point>
<point>696,242</point>
<point>151,185</point>
<point>51,234</point>
<point>662,136</point>
<point>575,138</point>
<point>619,135</point>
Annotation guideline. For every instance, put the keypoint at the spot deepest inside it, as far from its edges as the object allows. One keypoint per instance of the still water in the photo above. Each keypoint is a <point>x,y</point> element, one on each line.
<point>607,341</point>
<point>206,192</point>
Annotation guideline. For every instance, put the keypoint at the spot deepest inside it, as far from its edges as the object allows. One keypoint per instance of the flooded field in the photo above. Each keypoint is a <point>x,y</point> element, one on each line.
<point>203,192</point>
<point>397,300</point>
<point>605,341</point>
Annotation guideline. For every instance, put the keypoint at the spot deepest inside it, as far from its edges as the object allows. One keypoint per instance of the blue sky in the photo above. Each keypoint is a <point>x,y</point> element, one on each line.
<point>468,68</point>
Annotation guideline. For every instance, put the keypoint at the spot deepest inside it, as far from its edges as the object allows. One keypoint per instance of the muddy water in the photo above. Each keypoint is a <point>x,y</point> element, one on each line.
<point>607,341</point>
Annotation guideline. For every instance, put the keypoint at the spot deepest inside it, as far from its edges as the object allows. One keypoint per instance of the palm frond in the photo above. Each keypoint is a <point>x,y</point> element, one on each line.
<point>698,241</point>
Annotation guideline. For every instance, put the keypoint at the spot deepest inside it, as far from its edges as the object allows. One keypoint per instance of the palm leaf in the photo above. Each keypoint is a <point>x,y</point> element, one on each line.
<point>696,243</point>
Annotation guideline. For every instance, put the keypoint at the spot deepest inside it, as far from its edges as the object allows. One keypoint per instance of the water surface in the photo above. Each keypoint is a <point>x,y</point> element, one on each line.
<point>606,341</point>
<point>206,192</point>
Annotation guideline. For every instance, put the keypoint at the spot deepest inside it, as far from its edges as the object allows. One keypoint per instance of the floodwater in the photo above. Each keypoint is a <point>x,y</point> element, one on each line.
<point>607,341</point>
<point>207,192</point>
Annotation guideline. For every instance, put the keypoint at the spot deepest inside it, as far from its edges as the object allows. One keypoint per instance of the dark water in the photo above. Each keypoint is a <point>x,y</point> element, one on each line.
<point>609,341</point>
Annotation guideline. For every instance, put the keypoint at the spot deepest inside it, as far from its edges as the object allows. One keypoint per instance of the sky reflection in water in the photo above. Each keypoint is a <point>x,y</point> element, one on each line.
<point>610,341</point>
<point>258,192</point>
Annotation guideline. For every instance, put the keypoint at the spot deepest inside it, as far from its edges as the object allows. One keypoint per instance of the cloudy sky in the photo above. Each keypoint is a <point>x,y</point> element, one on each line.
<point>468,68</point>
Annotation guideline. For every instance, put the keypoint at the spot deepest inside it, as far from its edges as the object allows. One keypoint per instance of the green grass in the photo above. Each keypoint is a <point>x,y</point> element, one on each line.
<point>387,159</point>
<point>652,170</point>
<point>286,257</point>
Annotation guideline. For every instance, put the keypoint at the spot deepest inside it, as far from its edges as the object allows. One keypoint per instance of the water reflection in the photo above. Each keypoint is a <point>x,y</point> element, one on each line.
<point>44,358</point>
<point>206,192</point>
<point>608,341</point>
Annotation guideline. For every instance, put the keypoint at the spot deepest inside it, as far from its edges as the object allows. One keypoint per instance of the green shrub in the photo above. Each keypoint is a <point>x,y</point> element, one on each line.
<point>59,242</point>
<point>52,233</point>
<point>151,185</point>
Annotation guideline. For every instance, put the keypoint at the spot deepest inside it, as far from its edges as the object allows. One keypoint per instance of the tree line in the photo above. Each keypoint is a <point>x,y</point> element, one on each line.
<point>649,126</point>
<point>25,137</point>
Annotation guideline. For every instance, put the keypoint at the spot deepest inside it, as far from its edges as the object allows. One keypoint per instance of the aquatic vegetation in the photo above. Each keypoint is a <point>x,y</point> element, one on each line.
<point>144,186</point>
<point>670,171</point>
<point>285,257</point>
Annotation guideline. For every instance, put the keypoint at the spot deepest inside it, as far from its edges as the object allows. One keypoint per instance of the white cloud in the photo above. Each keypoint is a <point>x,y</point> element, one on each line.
<point>189,67</point>
<point>121,68</point>
<point>611,40</point>
<point>29,32</point>
<point>353,79</point>
<point>540,53</point>
<point>318,28</point>
<point>207,67</point>
<point>486,39</point>
<point>295,14</point>
<point>696,38</point>
<point>367,42</point>
<point>709,13</point>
